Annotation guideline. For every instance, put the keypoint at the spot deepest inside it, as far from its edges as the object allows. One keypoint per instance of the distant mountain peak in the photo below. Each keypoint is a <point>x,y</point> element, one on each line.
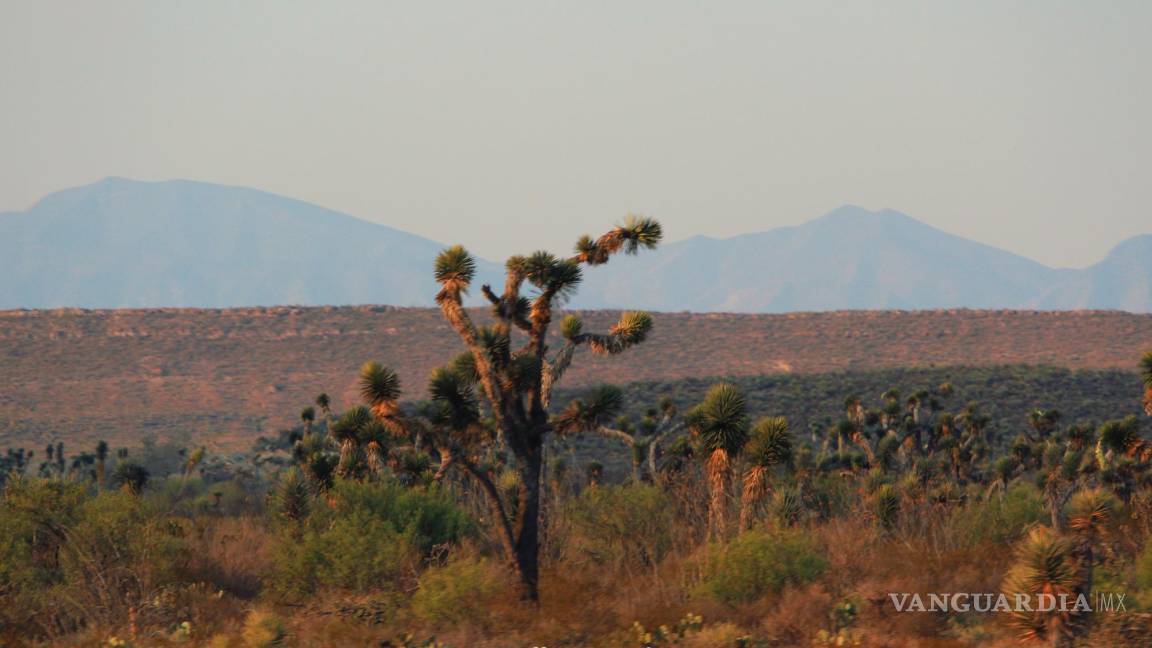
<point>848,214</point>
<point>121,242</point>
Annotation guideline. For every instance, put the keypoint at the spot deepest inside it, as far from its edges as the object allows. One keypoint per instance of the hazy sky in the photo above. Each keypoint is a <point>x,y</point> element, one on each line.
<point>514,126</point>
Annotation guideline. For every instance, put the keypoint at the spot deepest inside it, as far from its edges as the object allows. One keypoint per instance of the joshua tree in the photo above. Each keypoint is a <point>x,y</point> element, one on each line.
<point>316,462</point>
<point>1043,422</point>
<point>853,424</point>
<point>1089,518</point>
<point>1120,437</point>
<point>1046,565</point>
<point>325,404</point>
<point>594,470</point>
<point>886,506</point>
<point>347,431</point>
<point>770,445</point>
<point>721,425</point>
<point>1062,477</point>
<point>131,477</point>
<point>1080,437</point>
<point>308,417</point>
<point>101,463</point>
<point>1146,374</point>
<point>60,462</point>
<point>1003,469</point>
<point>291,498</point>
<point>195,458</point>
<point>516,382</point>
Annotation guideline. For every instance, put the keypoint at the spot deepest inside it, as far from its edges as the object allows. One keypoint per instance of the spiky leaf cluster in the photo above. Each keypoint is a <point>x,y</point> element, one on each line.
<point>597,408</point>
<point>308,414</point>
<point>632,329</point>
<point>1045,564</point>
<point>558,277</point>
<point>1090,511</point>
<point>496,343</point>
<point>721,420</point>
<point>130,476</point>
<point>291,498</point>
<point>770,443</point>
<point>571,326</point>
<point>454,270</point>
<point>349,426</point>
<point>1120,436</point>
<point>886,506</point>
<point>379,385</point>
<point>453,399</point>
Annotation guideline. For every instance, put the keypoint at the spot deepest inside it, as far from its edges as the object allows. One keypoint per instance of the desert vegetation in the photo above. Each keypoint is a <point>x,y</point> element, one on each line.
<point>489,506</point>
<point>221,377</point>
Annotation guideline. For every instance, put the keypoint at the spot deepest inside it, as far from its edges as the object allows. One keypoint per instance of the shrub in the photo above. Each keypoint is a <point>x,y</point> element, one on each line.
<point>68,558</point>
<point>263,630</point>
<point>372,535</point>
<point>1143,575</point>
<point>997,520</point>
<point>760,562</point>
<point>624,525</point>
<point>455,592</point>
<point>120,554</point>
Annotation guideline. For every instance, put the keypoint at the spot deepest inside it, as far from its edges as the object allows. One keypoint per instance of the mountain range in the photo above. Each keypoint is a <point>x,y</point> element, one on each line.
<point>121,243</point>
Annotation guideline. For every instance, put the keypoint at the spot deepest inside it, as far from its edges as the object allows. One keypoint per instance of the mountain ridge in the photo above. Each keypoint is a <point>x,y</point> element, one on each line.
<point>123,243</point>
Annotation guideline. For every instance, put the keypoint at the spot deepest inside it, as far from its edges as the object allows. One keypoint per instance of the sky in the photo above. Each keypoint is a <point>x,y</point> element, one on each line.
<point>514,126</point>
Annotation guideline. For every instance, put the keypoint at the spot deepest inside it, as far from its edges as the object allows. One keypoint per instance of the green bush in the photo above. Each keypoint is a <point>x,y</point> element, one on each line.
<point>34,514</point>
<point>760,562</point>
<point>372,535</point>
<point>455,592</point>
<point>629,525</point>
<point>1142,573</point>
<point>70,558</point>
<point>997,519</point>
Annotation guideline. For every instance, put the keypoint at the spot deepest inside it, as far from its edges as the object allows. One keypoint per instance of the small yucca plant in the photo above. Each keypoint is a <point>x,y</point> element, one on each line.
<point>886,506</point>
<point>1045,565</point>
<point>291,499</point>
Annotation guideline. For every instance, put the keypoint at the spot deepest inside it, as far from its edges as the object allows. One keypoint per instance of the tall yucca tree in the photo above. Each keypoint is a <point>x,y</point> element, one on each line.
<point>380,389</point>
<point>720,423</point>
<point>770,445</point>
<point>324,403</point>
<point>195,458</point>
<point>855,416</point>
<point>517,379</point>
<point>347,432</point>
<point>101,464</point>
<point>1146,374</point>
<point>1043,422</point>
<point>1045,565</point>
<point>308,417</point>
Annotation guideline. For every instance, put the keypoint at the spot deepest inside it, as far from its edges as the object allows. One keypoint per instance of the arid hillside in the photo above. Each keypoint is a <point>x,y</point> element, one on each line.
<point>226,376</point>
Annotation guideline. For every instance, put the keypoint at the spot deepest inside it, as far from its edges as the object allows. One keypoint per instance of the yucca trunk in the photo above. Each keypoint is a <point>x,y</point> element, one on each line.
<point>445,464</point>
<point>347,466</point>
<point>862,443</point>
<point>755,488</point>
<point>718,469</point>
<point>528,538</point>
<point>375,458</point>
<point>101,473</point>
